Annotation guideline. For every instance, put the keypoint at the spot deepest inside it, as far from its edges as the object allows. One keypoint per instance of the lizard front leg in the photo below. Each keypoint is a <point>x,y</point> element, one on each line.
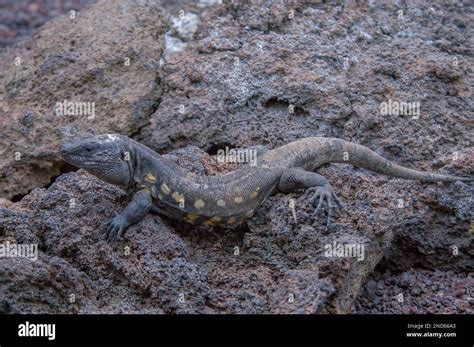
<point>134,212</point>
<point>297,178</point>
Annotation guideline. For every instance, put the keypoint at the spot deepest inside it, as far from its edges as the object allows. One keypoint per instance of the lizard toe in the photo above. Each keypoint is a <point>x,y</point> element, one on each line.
<point>116,228</point>
<point>339,203</point>
<point>110,235</point>
<point>120,232</point>
<point>330,211</point>
<point>320,204</point>
<point>322,195</point>
<point>314,199</point>
<point>110,227</point>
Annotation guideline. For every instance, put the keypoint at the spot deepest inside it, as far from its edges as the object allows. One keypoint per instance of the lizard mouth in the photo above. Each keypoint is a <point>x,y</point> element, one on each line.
<point>79,161</point>
<point>91,163</point>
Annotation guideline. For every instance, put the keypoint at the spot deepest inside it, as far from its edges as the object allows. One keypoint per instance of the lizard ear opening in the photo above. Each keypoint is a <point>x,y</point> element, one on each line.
<point>123,155</point>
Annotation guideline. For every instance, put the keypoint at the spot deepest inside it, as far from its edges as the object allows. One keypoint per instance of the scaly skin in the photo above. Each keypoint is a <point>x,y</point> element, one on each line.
<point>159,185</point>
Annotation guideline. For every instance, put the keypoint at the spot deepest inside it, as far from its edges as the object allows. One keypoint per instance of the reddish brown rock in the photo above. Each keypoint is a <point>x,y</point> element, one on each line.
<point>108,61</point>
<point>234,84</point>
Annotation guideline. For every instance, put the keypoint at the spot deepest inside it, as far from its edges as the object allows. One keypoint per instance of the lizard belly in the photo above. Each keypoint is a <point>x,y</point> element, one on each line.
<point>202,218</point>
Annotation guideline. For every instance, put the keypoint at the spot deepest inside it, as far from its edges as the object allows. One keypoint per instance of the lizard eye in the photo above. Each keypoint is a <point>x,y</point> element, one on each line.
<point>88,149</point>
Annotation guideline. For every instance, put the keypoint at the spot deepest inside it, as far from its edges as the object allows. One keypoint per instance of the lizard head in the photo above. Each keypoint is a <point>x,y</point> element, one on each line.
<point>105,156</point>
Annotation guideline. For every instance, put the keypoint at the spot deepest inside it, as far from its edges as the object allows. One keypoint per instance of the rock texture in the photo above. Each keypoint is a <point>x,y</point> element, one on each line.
<point>20,18</point>
<point>264,72</point>
<point>269,264</point>
<point>417,291</point>
<point>334,64</point>
<point>108,55</point>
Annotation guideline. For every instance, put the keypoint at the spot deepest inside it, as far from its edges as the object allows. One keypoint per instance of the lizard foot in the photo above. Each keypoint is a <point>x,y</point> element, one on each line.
<point>325,193</point>
<point>116,228</point>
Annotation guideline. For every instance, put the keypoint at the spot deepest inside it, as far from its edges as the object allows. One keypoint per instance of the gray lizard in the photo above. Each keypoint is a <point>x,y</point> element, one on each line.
<point>157,184</point>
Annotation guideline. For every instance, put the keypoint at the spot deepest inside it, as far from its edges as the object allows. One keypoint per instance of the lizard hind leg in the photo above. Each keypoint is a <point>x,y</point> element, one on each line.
<point>297,178</point>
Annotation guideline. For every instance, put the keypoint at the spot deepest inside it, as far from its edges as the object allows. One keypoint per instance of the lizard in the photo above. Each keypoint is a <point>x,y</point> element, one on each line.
<point>157,184</point>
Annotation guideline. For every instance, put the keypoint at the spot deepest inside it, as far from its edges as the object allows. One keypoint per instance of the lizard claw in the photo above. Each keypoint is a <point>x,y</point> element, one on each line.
<point>116,228</point>
<point>325,193</point>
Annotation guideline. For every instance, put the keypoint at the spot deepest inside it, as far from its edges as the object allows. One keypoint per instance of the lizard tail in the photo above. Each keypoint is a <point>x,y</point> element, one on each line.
<point>340,151</point>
